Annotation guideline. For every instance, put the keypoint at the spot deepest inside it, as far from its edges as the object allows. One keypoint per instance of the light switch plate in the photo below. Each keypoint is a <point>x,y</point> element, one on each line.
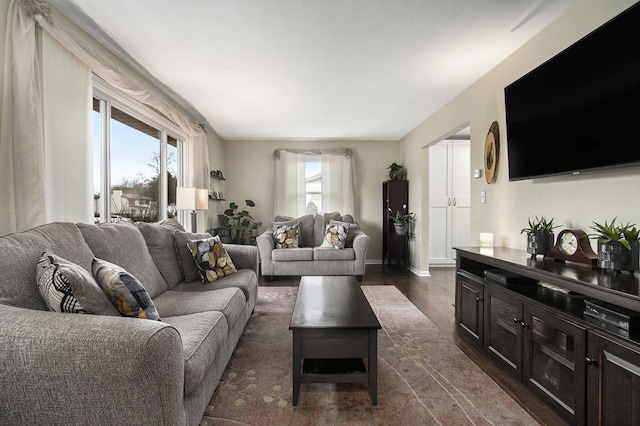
<point>483,197</point>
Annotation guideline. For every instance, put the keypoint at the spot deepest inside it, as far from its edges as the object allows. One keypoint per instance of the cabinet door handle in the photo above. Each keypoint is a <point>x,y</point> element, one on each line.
<point>524,324</point>
<point>449,201</point>
<point>478,299</point>
<point>454,202</point>
<point>516,320</point>
<point>590,361</point>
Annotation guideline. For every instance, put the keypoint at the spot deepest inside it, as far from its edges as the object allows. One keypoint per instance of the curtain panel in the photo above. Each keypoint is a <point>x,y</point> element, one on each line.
<point>22,137</point>
<point>338,180</point>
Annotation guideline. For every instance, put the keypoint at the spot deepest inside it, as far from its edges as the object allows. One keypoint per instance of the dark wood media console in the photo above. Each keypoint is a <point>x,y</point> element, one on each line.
<point>528,316</point>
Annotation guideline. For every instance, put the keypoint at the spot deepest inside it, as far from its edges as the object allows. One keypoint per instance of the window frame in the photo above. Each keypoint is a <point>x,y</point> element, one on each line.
<point>109,97</point>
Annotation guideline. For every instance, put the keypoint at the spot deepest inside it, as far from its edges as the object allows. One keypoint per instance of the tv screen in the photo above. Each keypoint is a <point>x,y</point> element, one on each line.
<point>581,109</point>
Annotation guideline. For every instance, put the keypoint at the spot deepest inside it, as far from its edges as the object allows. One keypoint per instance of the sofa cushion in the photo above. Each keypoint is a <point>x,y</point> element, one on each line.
<point>20,253</point>
<point>211,258</point>
<point>54,276</point>
<point>285,234</point>
<point>335,236</point>
<point>161,243</point>
<point>321,254</point>
<point>124,291</point>
<point>303,253</point>
<point>203,334</point>
<point>245,279</point>
<point>229,301</point>
<point>189,268</point>
<point>70,287</point>
<point>122,244</point>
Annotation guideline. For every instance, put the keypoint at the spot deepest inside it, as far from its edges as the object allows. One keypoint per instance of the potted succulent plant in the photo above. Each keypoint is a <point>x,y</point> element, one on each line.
<point>239,221</point>
<point>402,220</point>
<point>540,236</point>
<point>618,247</point>
<point>397,171</point>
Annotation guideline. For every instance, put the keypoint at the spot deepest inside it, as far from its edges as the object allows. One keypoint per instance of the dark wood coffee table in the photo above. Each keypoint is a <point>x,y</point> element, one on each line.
<point>334,331</point>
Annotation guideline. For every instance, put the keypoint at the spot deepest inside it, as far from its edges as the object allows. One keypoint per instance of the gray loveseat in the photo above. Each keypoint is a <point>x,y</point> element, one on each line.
<point>68,368</point>
<point>309,258</point>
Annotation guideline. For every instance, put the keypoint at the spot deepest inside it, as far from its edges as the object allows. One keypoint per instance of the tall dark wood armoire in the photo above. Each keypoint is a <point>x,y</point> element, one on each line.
<point>395,195</point>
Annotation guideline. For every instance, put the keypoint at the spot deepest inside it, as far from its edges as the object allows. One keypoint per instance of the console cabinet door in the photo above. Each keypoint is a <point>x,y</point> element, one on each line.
<point>469,308</point>
<point>503,325</point>
<point>554,361</point>
<point>613,382</point>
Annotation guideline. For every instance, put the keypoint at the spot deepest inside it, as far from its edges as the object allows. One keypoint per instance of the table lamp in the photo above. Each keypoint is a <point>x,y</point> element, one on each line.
<point>192,198</point>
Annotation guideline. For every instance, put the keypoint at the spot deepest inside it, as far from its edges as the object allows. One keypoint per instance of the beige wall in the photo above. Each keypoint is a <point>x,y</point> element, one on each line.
<point>574,201</point>
<point>249,172</point>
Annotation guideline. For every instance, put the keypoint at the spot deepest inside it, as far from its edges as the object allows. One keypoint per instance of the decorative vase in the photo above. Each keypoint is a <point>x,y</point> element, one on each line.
<point>613,255</point>
<point>223,220</point>
<point>401,228</point>
<point>539,243</point>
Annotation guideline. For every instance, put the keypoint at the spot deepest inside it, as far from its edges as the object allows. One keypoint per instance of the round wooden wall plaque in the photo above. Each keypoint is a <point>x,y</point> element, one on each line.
<point>491,152</point>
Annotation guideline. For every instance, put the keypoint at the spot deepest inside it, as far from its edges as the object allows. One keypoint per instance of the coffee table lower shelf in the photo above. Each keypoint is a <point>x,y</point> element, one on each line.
<point>343,370</point>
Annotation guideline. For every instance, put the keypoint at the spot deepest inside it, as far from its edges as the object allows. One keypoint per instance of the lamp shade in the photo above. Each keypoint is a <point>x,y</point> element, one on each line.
<point>191,198</point>
<point>202,199</point>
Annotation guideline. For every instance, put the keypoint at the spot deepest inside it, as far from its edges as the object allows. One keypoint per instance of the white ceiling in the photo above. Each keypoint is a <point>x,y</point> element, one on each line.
<point>313,69</point>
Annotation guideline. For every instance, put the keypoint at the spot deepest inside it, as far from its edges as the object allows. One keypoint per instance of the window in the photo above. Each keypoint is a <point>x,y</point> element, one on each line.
<point>136,161</point>
<point>313,185</point>
<point>313,181</point>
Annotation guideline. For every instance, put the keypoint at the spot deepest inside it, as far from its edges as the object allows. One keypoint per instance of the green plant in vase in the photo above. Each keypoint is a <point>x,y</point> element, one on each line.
<point>402,220</point>
<point>397,171</point>
<point>618,247</point>
<point>540,237</point>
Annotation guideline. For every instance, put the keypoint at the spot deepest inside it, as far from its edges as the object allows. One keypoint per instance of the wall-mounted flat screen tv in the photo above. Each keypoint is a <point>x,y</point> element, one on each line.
<point>580,110</point>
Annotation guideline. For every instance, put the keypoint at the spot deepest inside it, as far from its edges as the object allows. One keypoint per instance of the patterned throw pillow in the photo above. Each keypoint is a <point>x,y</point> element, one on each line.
<point>124,290</point>
<point>285,234</point>
<point>351,230</point>
<point>335,237</point>
<point>212,259</point>
<point>54,276</point>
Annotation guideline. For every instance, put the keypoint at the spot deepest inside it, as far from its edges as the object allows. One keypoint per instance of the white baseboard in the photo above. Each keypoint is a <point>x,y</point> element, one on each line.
<point>419,272</point>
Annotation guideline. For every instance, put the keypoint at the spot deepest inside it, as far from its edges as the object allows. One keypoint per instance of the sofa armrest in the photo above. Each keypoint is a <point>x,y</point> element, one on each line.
<point>360,247</point>
<point>243,256</point>
<point>265,246</point>
<point>88,369</point>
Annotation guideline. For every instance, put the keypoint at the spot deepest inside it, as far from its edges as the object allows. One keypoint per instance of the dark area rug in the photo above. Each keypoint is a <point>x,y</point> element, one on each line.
<point>423,377</point>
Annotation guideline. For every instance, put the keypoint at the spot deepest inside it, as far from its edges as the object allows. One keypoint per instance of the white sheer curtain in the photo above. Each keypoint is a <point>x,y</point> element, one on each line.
<point>22,195</point>
<point>338,180</point>
<point>22,154</point>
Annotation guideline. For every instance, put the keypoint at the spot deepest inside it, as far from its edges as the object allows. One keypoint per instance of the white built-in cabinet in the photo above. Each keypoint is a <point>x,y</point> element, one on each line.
<point>449,199</point>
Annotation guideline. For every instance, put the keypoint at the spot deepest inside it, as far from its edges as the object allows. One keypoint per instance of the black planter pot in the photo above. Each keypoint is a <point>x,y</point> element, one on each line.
<point>613,255</point>
<point>539,243</point>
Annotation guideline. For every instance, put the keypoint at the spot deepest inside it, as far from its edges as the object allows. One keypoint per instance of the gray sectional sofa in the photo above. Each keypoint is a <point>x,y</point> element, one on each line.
<point>310,258</point>
<point>68,368</point>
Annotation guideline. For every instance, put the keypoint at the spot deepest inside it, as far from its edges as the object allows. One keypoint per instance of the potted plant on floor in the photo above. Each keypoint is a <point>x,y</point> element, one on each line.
<point>402,220</point>
<point>255,226</point>
<point>540,236</point>
<point>239,221</point>
<point>397,171</point>
<point>618,247</point>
